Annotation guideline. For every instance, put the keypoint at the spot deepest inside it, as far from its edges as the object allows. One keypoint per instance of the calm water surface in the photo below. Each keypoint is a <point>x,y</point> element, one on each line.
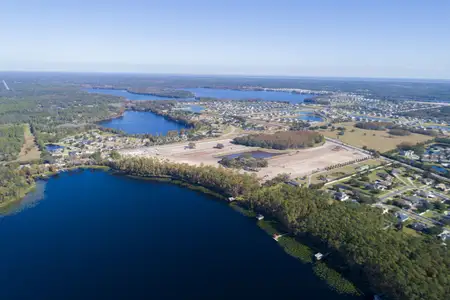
<point>99,236</point>
<point>134,122</point>
<point>310,117</point>
<point>236,95</point>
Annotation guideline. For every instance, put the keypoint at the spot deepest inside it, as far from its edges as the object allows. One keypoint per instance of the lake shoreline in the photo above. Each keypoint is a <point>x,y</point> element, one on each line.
<point>290,245</point>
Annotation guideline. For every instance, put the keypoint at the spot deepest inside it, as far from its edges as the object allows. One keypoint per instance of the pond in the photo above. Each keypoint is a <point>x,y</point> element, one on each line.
<point>53,147</point>
<point>255,154</point>
<point>94,235</point>
<point>310,117</point>
<point>134,122</point>
<point>439,169</point>
<point>237,95</point>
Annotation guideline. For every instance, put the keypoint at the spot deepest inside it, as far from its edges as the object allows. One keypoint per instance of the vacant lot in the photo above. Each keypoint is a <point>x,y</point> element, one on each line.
<point>373,139</point>
<point>29,149</point>
<point>294,162</point>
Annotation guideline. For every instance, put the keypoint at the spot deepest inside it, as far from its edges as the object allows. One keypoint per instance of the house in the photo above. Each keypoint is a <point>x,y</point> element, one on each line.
<point>426,194</point>
<point>362,168</point>
<point>318,256</point>
<point>385,176</point>
<point>341,196</point>
<point>396,171</point>
<point>378,186</point>
<point>414,200</point>
<point>401,216</point>
<point>417,226</point>
<point>441,187</point>
<point>444,235</point>
<point>428,181</point>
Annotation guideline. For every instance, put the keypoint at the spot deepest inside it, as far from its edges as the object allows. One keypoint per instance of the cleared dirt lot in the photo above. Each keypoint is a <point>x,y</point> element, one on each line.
<point>294,162</point>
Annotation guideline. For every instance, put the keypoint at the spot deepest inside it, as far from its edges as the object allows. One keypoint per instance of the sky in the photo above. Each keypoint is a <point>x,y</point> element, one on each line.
<point>354,38</point>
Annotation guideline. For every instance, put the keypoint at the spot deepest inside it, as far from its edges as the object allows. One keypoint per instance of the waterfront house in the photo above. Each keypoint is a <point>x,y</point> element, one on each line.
<point>341,196</point>
<point>318,256</point>
<point>417,226</point>
<point>402,217</point>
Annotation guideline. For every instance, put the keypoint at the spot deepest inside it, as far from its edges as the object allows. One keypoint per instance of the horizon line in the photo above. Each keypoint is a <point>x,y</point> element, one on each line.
<point>323,77</point>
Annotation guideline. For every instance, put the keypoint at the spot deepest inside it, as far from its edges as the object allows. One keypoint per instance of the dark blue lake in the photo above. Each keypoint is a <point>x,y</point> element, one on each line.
<point>310,117</point>
<point>126,94</point>
<point>237,95</point>
<point>134,122</point>
<point>255,154</point>
<point>99,236</point>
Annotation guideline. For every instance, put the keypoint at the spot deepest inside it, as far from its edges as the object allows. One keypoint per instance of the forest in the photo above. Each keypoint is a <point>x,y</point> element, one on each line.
<point>55,110</point>
<point>391,262</point>
<point>281,140</point>
<point>11,141</point>
<point>14,184</point>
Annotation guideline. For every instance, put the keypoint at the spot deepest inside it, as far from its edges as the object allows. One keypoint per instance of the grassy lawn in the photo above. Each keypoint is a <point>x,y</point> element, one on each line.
<point>373,139</point>
<point>29,150</point>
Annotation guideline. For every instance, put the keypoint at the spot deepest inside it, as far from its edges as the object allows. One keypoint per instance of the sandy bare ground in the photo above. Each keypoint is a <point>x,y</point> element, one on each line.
<point>294,162</point>
<point>29,150</point>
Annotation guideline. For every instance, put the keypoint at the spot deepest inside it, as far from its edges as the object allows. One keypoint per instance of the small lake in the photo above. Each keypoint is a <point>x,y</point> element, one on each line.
<point>310,117</point>
<point>98,236</point>
<point>136,122</point>
<point>126,94</point>
<point>255,154</point>
<point>237,95</point>
<point>53,147</point>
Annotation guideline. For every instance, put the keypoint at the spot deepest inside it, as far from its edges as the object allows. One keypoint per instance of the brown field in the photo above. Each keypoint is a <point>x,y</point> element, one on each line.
<point>294,162</point>
<point>29,149</point>
<point>382,141</point>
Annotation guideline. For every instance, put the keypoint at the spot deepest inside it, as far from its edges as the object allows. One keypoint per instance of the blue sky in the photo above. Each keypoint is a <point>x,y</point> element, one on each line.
<point>367,38</point>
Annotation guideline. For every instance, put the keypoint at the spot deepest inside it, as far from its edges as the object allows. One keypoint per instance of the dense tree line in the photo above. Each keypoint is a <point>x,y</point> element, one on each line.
<point>224,181</point>
<point>281,140</point>
<point>374,125</point>
<point>399,132</point>
<point>11,141</point>
<point>393,263</point>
